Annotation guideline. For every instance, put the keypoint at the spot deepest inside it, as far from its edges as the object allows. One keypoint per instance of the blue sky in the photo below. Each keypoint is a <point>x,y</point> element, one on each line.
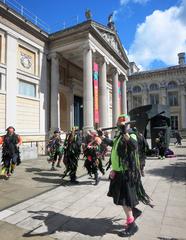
<point>152,31</point>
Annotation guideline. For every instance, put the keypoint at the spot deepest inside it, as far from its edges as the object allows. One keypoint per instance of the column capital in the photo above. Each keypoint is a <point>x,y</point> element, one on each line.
<point>89,46</point>
<point>54,55</point>
<point>115,71</point>
<point>103,59</point>
<point>123,77</point>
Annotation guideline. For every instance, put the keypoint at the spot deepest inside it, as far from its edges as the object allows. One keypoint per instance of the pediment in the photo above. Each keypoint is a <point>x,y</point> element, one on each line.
<point>112,39</point>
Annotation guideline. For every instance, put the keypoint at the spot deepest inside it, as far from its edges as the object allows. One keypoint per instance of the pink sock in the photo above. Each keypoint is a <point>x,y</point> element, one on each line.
<point>130,220</point>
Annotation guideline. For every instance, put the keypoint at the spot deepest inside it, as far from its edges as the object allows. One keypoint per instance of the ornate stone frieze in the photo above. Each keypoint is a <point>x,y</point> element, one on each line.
<point>112,41</point>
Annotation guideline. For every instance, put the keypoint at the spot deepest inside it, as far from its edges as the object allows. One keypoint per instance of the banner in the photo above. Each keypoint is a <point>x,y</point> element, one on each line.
<point>119,92</point>
<point>96,101</point>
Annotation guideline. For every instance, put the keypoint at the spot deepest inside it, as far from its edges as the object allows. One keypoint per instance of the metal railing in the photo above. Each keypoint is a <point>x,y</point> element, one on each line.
<point>28,15</point>
<point>16,6</point>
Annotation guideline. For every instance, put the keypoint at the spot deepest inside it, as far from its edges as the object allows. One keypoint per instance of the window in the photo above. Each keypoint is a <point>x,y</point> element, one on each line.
<point>136,89</point>
<point>154,99</point>
<point>154,87</point>
<point>174,122</point>
<point>172,85</point>
<point>137,101</point>
<point>27,89</point>
<point>173,98</point>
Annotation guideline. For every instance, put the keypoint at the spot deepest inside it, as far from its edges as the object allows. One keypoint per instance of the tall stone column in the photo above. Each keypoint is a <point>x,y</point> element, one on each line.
<point>87,89</point>
<point>115,98</point>
<point>183,108</point>
<point>54,113</point>
<point>103,112</point>
<point>163,94</point>
<point>43,94</point>
<point>145,95</point>
<point>123,96</point>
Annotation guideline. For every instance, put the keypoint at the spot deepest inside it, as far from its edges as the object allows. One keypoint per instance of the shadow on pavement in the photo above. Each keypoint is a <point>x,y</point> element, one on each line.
<point>175,172</point>
<point>33,170</point>
<point>62,223</point>
<point>48,174</point>
<point>48,180</point>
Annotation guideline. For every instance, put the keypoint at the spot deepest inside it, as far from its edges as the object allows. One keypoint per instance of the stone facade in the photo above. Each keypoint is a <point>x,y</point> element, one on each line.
<point>44,76</point>
<point>161,86</point>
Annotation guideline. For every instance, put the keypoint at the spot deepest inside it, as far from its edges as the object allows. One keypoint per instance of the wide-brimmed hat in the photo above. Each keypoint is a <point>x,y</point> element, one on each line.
<point>10,128</point>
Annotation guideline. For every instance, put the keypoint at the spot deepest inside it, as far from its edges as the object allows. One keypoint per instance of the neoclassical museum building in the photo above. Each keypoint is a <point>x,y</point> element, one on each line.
<point>166,86</point>
<point>76,76</point>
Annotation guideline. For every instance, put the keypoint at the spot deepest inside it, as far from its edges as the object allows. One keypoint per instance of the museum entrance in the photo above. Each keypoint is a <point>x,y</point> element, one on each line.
<point>78,112</point>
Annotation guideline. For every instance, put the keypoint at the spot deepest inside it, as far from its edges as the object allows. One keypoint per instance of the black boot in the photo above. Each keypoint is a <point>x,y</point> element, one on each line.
<point>129,231</point>
<point>136,213</point>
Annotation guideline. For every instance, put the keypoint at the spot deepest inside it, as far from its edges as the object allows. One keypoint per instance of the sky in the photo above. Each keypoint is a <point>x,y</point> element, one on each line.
<point>152,32</point>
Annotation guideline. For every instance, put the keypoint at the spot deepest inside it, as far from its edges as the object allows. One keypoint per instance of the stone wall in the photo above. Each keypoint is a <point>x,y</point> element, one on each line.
<point>2,110</point>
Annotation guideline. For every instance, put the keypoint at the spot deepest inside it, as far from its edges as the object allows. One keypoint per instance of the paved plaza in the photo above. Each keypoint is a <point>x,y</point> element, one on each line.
<point>84,211</point>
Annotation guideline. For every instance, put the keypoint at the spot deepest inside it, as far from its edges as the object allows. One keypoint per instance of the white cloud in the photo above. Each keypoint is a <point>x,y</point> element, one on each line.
<point>160,37</point>
<point>125,2</point>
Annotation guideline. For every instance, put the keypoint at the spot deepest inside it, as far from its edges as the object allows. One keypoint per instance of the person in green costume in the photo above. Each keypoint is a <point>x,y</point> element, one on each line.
<point>125,181</point>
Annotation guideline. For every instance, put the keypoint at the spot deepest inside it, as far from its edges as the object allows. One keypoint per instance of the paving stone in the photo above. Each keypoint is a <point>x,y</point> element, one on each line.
<point>63,235</point>
<point>168,231</point>
<point>18,217</point>
<point>174,222</point>
<point>176,212</point>
<point>6,213</point>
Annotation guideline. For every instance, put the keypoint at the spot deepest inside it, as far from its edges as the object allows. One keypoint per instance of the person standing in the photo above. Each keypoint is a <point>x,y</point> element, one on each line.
<point>143,148</point>
<point>55,149</point>
<point>161,145</point>
<point>10,151</point>
<point>126,187</point>
<point>72,150</point>
<point>178,137</point>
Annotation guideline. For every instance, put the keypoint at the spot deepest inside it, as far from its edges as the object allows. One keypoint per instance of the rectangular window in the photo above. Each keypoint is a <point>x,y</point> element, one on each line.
<point>137,101</point>
<point>173,98</point>
<point>174,122</point>
<point>154,99</point>
<point>27,89</point>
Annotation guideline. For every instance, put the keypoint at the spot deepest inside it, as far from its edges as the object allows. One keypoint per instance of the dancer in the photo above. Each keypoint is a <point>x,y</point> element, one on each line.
<point>143,148</point>
<point>72,150</point>
<point>10,151</point>
<point>125,180</point>
<point>93,161</point>
<point>55,149</point>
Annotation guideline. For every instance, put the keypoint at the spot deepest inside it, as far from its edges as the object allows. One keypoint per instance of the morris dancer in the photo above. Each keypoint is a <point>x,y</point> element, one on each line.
<point>10,151</point>
<point>72,150</point>
<point>125,181</point>
<point>93,160</point>
<point>55,149</point>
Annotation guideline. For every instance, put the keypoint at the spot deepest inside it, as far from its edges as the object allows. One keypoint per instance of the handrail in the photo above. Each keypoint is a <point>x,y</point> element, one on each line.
<point>15,5</point>
<point>28,15</point>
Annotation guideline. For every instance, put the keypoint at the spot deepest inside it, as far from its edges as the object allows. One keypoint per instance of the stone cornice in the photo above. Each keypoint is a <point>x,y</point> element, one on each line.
<point>159,72</point>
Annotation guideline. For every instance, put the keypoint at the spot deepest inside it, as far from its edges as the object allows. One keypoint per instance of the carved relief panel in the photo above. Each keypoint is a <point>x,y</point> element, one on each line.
<point>27,60</point>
